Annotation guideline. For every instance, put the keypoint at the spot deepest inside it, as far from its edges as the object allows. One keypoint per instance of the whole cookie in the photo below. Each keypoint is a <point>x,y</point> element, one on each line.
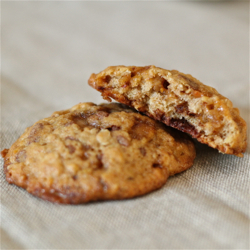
<point>178,100</point>
<point>96,152</point>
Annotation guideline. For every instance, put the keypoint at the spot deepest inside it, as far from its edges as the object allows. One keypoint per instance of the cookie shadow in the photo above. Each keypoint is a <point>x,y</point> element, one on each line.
<point>210,159</point>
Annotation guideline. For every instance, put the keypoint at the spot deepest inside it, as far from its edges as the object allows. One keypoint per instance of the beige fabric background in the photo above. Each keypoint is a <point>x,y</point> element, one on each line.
<point>49,49</point>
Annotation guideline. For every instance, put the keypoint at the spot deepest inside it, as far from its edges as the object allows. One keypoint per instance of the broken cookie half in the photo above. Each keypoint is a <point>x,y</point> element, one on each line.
<point>178,100</point>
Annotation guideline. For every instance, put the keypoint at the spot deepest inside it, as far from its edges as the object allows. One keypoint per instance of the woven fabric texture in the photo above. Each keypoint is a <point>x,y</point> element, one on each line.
<point>49,50</point>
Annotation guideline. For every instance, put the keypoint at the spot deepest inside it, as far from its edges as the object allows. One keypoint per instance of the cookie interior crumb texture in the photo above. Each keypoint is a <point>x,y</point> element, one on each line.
<point>96,152</point>
<point>178,100</point>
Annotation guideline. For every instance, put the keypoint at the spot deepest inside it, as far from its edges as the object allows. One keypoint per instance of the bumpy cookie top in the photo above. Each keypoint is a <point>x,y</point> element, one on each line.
<point>96,152</point>
<point>178,100</point>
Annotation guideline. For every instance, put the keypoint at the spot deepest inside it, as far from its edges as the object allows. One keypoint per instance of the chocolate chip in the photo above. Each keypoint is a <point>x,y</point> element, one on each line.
<point>100,156</point>
<point>33,138</point>
<point>102,114</point>
<point>133,74</point>
<point>142,129</point>
<point>99,161</point>
<point>21,156</point>
<point>114,128</point>
<point>158,114</point>
<point>165,84</point>
<point>122,140</point>
<point>80,120</point>
<point>143,109</point>
<point>68,124</point>
<point>85,148</point>
<point>191,83</point>
<point>71,149</point>
<point>107,78</point>
<point>87,114</point>
<point>210,106</point>
<point>99,88</point>
<point>84,156</point>
<point>35,129</point>
<point>182,108</point>
<point>157,165</point>
<point>143,151</point>
<point>181,124</point>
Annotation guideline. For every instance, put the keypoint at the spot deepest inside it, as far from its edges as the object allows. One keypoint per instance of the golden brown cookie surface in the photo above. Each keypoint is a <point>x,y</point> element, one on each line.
<point>178,100</point>
<point>96,152</point>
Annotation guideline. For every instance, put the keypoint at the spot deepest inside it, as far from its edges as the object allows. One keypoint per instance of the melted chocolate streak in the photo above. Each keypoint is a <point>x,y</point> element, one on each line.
<point>180,124</point>
<point>183,125</point>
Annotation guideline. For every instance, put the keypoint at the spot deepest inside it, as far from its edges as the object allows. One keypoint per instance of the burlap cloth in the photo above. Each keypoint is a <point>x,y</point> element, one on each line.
<point>49,49</point>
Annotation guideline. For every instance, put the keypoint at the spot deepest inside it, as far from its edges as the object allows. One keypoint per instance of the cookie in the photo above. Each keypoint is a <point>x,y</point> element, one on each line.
<point>96,152</point>
<point>178,100</point>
